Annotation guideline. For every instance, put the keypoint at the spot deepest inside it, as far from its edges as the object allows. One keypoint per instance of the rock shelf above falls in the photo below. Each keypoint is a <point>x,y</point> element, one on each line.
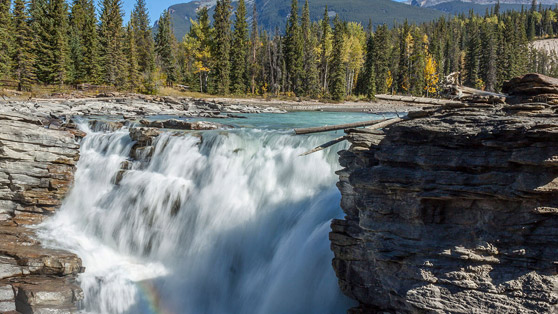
<point>454,211</point>
<point>37,164</point>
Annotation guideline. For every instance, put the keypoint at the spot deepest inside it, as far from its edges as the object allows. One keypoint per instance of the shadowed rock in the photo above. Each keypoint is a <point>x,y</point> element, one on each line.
<point>454,211</point>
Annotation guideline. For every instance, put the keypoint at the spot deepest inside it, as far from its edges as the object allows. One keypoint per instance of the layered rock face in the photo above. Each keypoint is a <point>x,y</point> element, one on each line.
<point>37,164</point>
<point>454,210</point>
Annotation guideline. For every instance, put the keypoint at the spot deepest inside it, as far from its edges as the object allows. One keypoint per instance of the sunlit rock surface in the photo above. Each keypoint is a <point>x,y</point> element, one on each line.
<point>37,164</point>
<point>455,211</point>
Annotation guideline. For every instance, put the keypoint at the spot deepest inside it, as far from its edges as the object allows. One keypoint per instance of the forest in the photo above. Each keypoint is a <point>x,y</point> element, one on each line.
<point>48,42</point>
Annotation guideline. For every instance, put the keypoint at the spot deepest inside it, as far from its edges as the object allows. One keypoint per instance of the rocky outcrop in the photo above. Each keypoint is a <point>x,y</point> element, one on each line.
<point>134,106</point>
<point>182,125</point>
<point>454,210</point>
<point>37,164</point>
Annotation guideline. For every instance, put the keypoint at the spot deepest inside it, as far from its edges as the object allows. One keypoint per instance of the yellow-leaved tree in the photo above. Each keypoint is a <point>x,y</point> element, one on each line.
<point>430,75</point>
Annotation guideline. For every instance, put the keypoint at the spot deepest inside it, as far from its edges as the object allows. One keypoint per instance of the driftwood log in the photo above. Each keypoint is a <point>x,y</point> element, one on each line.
<point>378,125</point>
<point>328,128</point>
<point>324,146</point>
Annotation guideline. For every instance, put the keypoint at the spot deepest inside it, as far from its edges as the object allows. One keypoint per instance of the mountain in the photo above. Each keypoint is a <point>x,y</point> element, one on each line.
<point>512,4</point>
<point>273,14</point>
<point>458,7</point>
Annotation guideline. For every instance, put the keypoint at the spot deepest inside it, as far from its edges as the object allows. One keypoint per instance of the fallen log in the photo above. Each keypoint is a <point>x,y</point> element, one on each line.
<point>378,125</point>
<point>328,128</point>
<point>324,146</point>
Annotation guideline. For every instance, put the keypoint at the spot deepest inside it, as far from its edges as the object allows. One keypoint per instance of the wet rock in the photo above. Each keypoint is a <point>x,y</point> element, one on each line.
<point>47,295</point>
<point>144,136</point>
<point>453,211</point>
<point>106,126</point>
<point>182,125</point>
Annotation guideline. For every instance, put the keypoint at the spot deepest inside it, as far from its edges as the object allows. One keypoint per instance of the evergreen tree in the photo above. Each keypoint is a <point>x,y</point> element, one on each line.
<point>405,48</point>
<point>84,42</point>
<point>144,38</point>
<point>337,82</point>
<point>489,56</point>
<point>418,62</point>
<point>165,44</point>
<point>325,44</point>
<point>381,55</point>
<point>5,37</point>
<point>294,50</point>
<point>23,44</point>
<point>132,71</point>
<point>472,55</point>
<point>222,46</point>
<point>239,50</point>
<point>254,49</point>
<point>111,38</point>
<point>51,40</point>
<point>369,74</point>
<point>310,80</point>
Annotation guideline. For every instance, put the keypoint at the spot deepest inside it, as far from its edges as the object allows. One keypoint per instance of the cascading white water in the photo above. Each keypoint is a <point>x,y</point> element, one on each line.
<point>234,222</point>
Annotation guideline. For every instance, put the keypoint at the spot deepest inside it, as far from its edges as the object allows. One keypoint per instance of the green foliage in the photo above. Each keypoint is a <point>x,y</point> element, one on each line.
<point>144,38</point>
<point>6,37</point>
<point>23,57</point>
<point>368,87</point>
<point>310,79</point>
<point>51,40</point>
<point>111,38</point>
<point>294,51</point>
<point>132,66</point>
<point>222,46</point>
<point>239,51</point>
<point>338,80</point>
<point>84,42</point>
<point>165,46</point>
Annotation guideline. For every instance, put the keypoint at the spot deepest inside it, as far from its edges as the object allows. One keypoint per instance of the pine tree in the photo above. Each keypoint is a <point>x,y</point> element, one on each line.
<point>60,41</point>
<point>254,49</point>
<point>84,42</point>
<point>369,74</point>
<point>132,71</point>
<point>310,79</point>
<point>488,57</point>
<point>51,40</point>
<point>145,44</point>
<point>381,57</point>
<point>405,48</point>
<point>222,46</point>
<point>325,44</point>
<point>5,37</point>
<point>294,50</point>
<point>472,55</point>
<point>165,44</point>
<point>23,44</point>
<point>337,82</point>
<point>239,50</point>
<point>111,38</point>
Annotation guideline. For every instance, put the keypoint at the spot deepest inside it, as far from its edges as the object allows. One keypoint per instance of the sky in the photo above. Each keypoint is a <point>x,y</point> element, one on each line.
<point>155,7</point>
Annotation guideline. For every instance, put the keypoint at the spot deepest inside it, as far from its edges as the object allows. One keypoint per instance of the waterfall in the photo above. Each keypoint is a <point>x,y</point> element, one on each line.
<point>229,222</point>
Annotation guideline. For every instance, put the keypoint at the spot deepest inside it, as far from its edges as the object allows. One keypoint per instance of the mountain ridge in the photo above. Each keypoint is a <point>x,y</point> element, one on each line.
<point>272,14</point>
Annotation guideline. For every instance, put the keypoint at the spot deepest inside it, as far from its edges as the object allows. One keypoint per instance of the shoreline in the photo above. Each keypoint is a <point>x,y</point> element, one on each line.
<point>383,103</point>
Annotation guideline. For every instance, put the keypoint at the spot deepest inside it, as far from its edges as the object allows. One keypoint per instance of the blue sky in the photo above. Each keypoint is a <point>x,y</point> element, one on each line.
<point>155,7</point>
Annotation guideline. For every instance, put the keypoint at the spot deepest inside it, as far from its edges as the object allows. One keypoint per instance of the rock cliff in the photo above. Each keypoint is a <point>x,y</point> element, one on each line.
<point>37,163</point>
<point>454,210</point>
